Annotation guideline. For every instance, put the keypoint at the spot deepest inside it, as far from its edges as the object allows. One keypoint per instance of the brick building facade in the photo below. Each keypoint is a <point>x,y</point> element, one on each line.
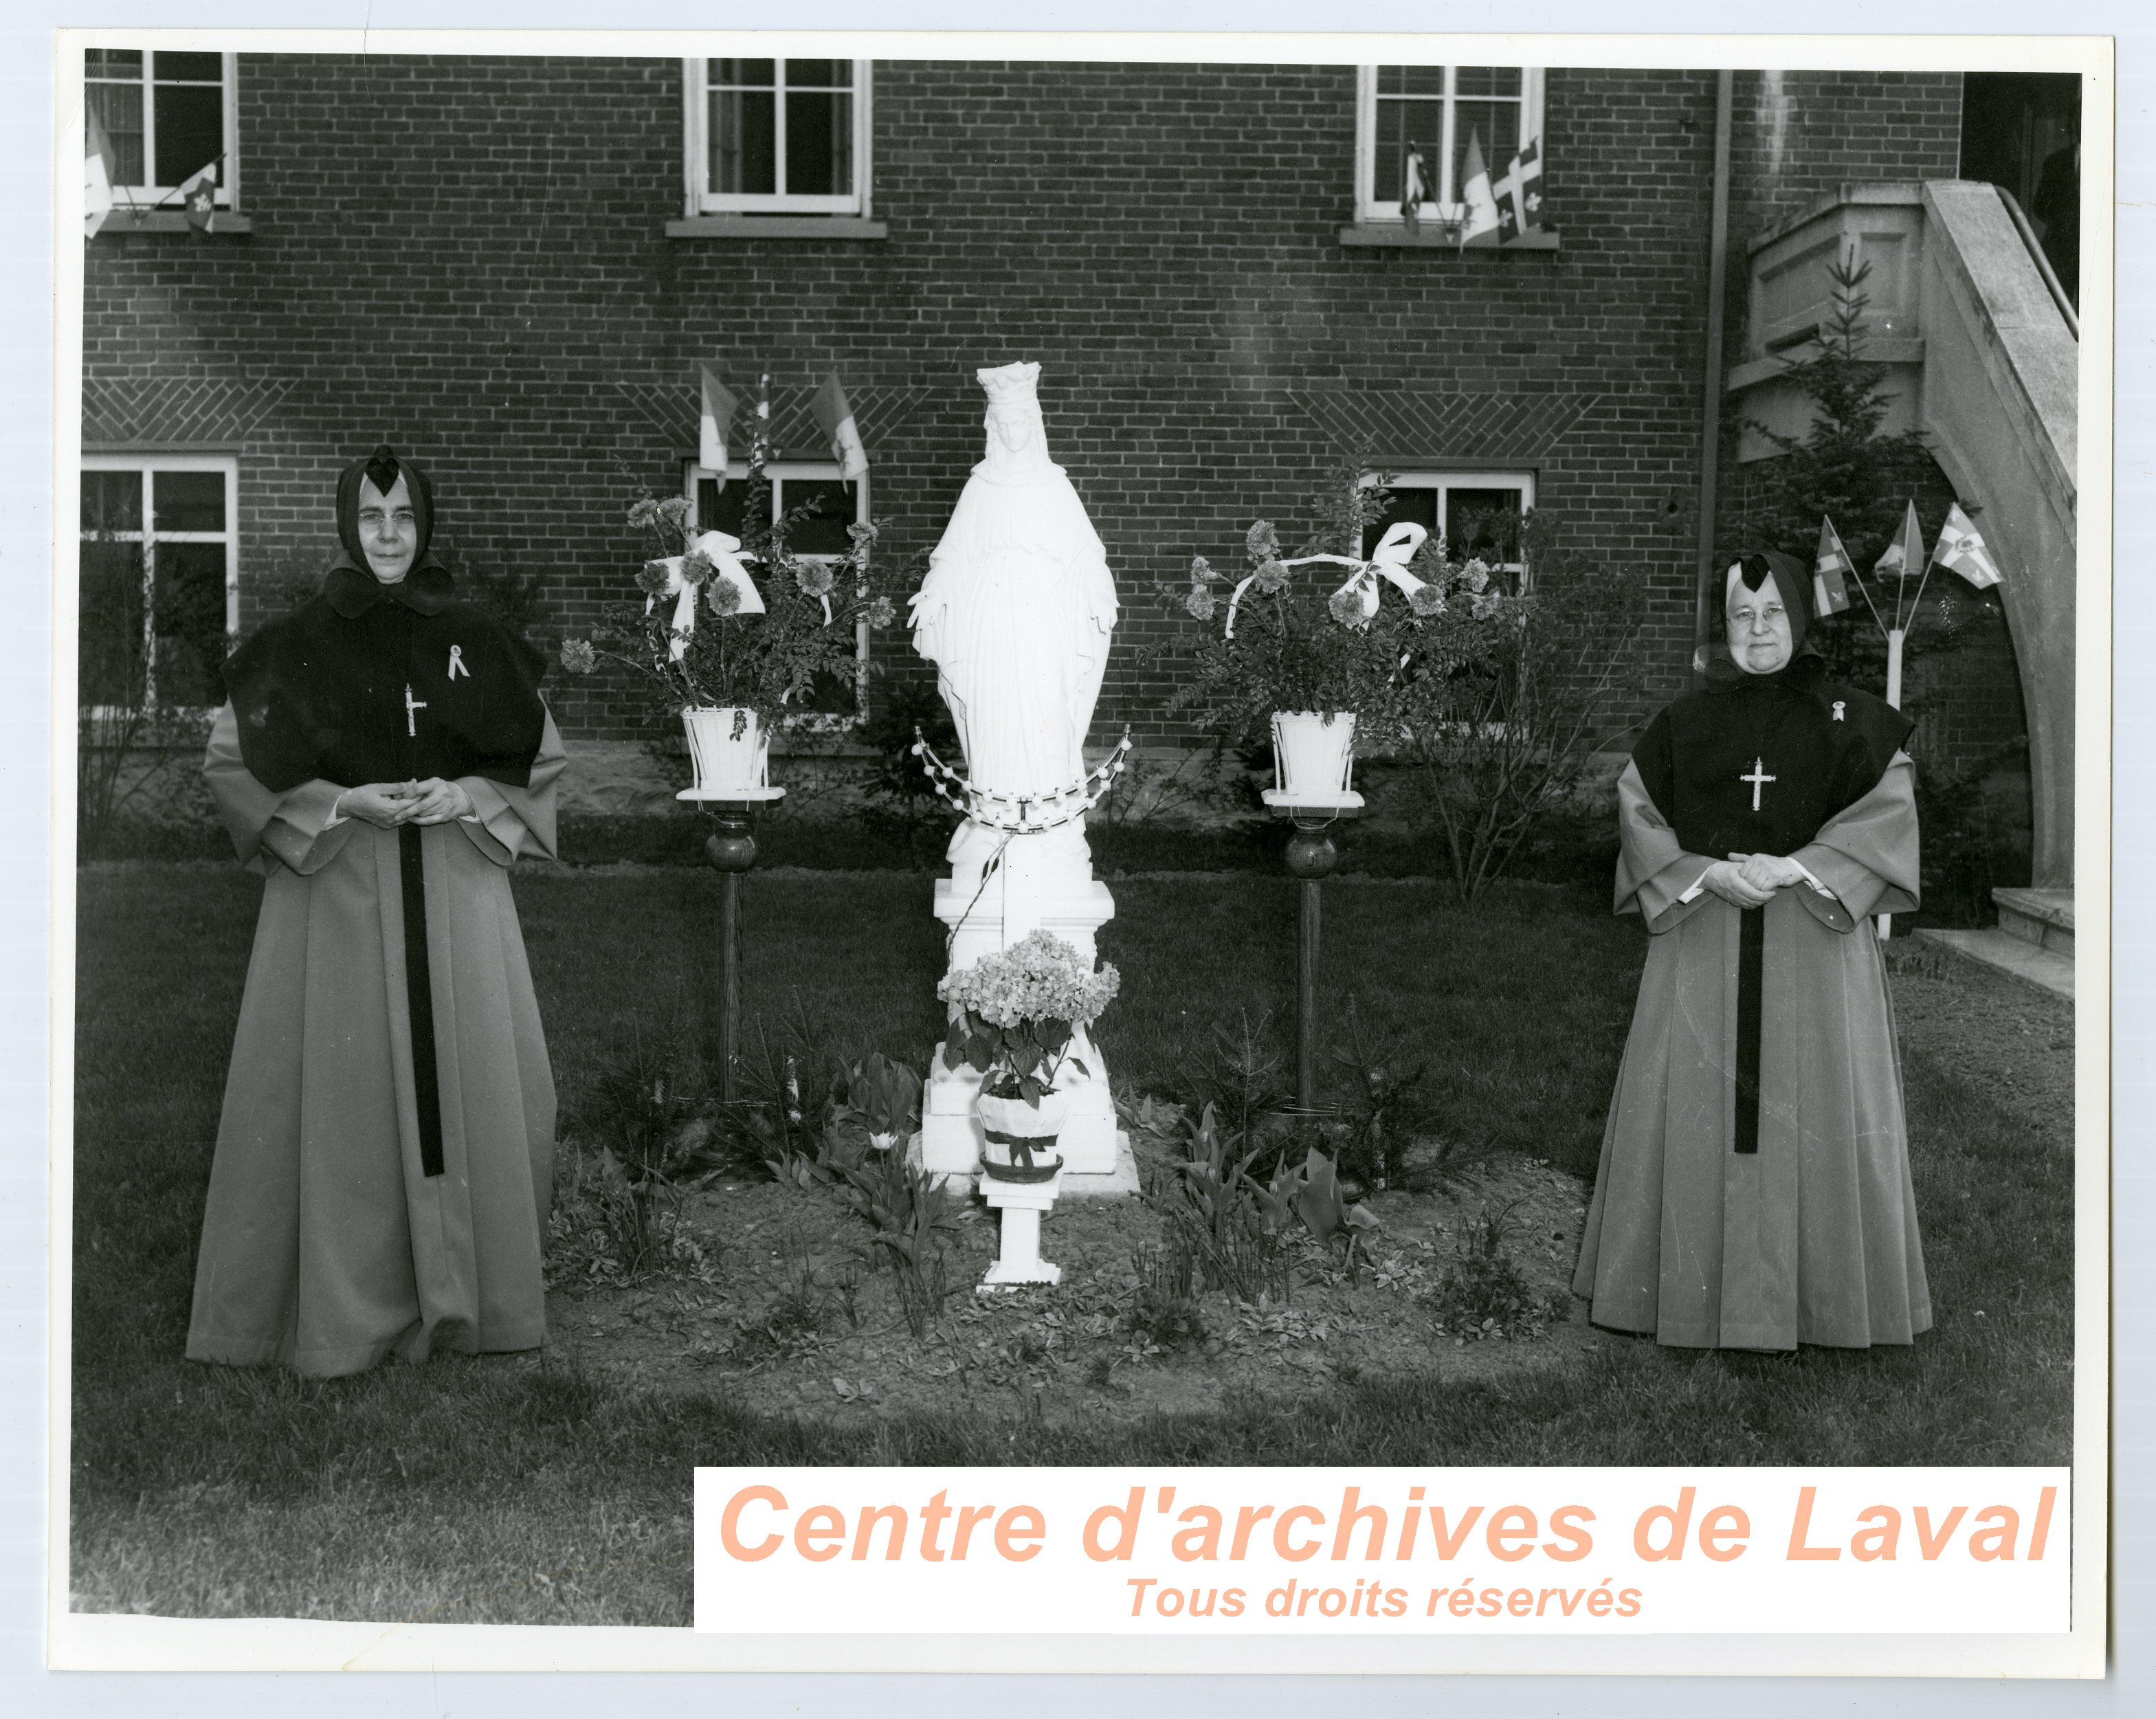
<point>489,262</point>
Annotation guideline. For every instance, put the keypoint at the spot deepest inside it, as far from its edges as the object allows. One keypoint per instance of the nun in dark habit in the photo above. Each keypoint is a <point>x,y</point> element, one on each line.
<point>385,1160</point>
<point>1754,1189</point>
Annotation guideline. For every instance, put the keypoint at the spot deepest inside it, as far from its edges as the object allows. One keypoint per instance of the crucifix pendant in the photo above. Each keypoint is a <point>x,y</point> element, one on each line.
<point>412,706</point>
<point>1758,778</point>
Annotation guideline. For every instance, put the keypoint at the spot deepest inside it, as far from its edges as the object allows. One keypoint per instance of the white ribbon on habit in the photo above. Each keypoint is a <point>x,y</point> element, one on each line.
<point>723,552</point>
<point>1388,561</point>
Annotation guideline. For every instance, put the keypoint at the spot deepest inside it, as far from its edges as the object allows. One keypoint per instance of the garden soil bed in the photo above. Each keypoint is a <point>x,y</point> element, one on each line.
<point>788,1314</point>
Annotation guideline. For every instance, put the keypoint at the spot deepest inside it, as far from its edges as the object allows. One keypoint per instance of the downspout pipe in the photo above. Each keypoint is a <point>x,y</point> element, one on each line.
<point>1710,406</point>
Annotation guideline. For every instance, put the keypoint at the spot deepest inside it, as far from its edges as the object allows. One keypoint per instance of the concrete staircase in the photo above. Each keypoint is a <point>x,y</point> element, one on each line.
<point>2034,941</point>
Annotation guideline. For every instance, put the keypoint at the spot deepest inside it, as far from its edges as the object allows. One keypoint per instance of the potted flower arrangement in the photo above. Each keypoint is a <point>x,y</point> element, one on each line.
<point>1015,1013</point>
<point>1296,650</point>
<point>733,634</point>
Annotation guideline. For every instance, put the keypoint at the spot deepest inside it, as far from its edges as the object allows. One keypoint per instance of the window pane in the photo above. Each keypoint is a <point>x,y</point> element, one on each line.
<point>113,61</point>
<point>119,110</point>
<point>1402,125</point>
<point>720,510</point>
<point>111,502</point>
<point>1488,80</point>
<point>819,145</point>
<point>111,624</point>
<point>744,136</point>
<point>189,67</point>
<point>189,620</point>
<point>758,72</point>
<point>819,75</point>
<point>1411,80</point>
<point>190,130</point>
<point>1482,522</point>
<point>187,501</point>
<point>1419,504</point>
<point>1496,125</point>
<point>824,532</point>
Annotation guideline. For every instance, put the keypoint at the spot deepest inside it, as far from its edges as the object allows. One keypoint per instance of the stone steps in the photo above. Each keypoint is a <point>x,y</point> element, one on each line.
<point>2034,941</point>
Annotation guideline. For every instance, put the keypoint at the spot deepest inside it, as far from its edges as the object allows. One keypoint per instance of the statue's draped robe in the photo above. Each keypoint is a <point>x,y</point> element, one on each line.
<point>1016,612</point>
<point>1799,1227</point>
<point>348,1218</point>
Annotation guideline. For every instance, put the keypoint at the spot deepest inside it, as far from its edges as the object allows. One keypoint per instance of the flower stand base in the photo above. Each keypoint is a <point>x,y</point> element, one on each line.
<point>1023,1205</point>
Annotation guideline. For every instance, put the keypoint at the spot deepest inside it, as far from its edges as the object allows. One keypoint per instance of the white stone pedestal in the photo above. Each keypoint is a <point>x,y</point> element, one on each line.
<point>1022,1204</point>
<point>997,892</point>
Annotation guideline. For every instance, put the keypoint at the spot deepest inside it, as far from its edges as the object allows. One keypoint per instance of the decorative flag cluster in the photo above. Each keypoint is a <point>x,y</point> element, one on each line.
<point>99,163</point>
<point>1498,212</point>
<point>1960,549</point>
<point>836,418</point>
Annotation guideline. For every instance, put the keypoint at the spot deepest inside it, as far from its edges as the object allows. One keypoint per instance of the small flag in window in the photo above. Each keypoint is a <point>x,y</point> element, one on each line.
<point>199,197</point>
<point>1481,202</point>
<point>1831,570</point>
<point>98,167</point>
<point>836,418</point>
<point>1412,189</point>
<point>715,416</point>
<point>1961,550</point>
<point>1519,193</point>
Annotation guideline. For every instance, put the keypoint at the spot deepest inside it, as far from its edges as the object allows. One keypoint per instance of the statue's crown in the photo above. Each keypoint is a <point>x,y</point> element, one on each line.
<point>1010,383</point>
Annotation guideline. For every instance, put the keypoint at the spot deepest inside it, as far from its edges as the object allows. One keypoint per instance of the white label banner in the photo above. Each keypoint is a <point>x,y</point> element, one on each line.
<point>1381,1551</point>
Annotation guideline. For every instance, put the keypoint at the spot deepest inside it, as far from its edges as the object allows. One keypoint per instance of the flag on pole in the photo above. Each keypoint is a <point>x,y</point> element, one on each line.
<point>99,163</point>
<point>1901,557</point>
<point>715,416</point>
<point>1519,193</point>
<point>1961,550</point>
<point>1831,570</point>
<point>837,419</point>
<point>1474,191</point>
<point>199,196</point>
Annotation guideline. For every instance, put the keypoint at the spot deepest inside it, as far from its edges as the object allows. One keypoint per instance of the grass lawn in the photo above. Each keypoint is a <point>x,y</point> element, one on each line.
<point>555,1489</point>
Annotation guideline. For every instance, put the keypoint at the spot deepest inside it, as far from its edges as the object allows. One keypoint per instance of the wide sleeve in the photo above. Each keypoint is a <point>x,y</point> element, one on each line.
<point>1867,854</point>
<point>1655,876</point>
<point>508,820</point>
<point>298,827</point>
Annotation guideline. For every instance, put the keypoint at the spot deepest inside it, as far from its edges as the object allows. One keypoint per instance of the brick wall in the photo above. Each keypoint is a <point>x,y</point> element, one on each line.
<point>467,257</point>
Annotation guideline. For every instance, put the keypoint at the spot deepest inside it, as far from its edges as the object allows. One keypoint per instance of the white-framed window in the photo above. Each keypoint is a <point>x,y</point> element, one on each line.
<point>160,578</point>
<point>1464,507</point>
<point>1435,110</point>
<point>777,136</point>
<point>822,537</point>
<point>168,115</point>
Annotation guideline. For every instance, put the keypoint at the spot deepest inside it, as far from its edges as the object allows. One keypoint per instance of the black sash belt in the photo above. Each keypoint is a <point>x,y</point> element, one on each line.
<point>419,999</point>
<point>1751,946</point>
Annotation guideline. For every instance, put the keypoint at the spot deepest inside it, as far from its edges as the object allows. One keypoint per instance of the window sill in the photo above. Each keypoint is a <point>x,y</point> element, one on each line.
<point>1395,234</point>
<point>224,224</point>
<point>777,227</point>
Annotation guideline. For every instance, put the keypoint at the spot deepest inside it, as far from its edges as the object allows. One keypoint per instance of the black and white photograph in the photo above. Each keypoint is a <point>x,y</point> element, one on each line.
<point>940,757</point>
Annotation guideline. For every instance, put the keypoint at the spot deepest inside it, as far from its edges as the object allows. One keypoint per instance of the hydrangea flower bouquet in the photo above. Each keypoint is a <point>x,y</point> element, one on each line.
<point>1016,1013</point>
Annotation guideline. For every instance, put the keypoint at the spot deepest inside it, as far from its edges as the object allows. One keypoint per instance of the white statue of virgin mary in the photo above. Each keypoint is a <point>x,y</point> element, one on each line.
<point>1018,605</point>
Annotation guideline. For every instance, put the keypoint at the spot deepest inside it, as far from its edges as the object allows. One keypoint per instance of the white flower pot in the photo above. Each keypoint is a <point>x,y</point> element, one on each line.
<point>1313,753</point>
<point>722,761</point>
<point>1038,1124</point>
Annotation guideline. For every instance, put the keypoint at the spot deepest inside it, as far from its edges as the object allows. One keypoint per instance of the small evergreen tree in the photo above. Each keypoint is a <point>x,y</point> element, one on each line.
<point>1848,468</point>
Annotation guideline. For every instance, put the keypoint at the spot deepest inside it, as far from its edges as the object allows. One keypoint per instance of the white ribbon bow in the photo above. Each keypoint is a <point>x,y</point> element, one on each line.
<point>723,552</point>
<point>1388,561</point>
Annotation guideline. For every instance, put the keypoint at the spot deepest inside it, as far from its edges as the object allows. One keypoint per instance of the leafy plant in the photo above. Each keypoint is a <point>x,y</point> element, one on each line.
<point>1326,1213</point>
<point>877,1098</point>
<point>1502,728</point>
<point>1482,1294</point>
<point>1214,1213</point>
<point>910,1214</point>
<point>1384,1103</point>
<point>1019,1009</point>
<point>1165,1313</point>
<point>768,664</point>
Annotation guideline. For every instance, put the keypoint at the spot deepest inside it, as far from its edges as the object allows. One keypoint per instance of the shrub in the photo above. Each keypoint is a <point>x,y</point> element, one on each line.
<point>1482,1294</point>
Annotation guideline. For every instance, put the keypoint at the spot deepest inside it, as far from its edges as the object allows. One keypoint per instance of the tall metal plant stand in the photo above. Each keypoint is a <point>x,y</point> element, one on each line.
<point>1311,857</point>
<point>732,853</point>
